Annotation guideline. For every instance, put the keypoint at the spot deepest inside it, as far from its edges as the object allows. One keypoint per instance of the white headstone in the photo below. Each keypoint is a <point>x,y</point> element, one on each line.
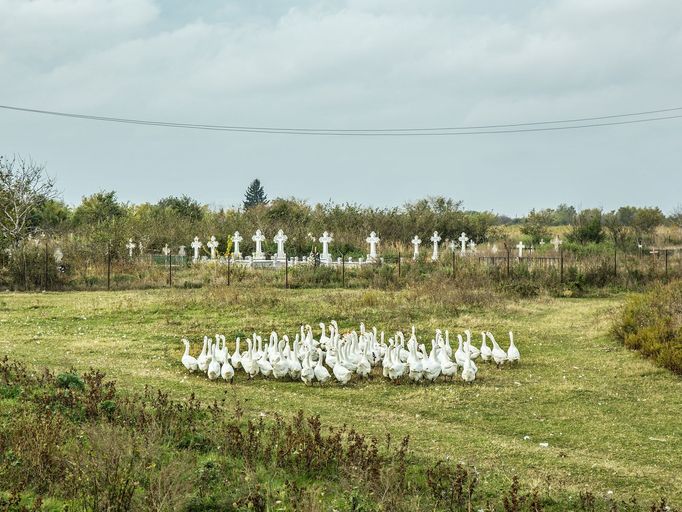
<point>556,242</point>
<point>196,245</point>
<point>181,251</point>
<point>372,240</point>
<point>494,249</point>
<point>212,244</point>
<point>140,247</point>
<point>279,239</point>
<point>58,255</point>
<point>472,246</point>
<point>236,238</point>
<point>520,246</point>
<point>259,237</point>
<point>463,239</point>
<point>325,240</point>
<point>452,245</point>
<point>130,246</point>
<point>416,242</point>
<point>166,250</point>
<point>435,238</point>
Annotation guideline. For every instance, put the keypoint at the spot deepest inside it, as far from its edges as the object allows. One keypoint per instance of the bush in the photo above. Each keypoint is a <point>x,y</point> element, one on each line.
<point>652,324</point>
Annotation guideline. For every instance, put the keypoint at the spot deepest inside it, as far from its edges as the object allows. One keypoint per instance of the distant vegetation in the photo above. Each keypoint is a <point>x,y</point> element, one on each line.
<point>101,224</point>
<point>652,324</point>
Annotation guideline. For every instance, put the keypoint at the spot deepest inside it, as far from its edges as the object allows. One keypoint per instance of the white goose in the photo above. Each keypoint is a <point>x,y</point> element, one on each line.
<point>499,355</point>
<point>486,352</point>
<point>321,373</point>
<point>513,354</point>
<point>237,357</point>
<point>227,372</point>
<point>341,373</point>
<point>213,365</point>
<point>307,371</point>
<point>202,360</point>
<point>249,363</point>
<point>188,361</point>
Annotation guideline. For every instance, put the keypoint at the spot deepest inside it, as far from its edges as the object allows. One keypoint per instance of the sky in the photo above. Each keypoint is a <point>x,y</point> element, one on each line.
<point>348,64</point>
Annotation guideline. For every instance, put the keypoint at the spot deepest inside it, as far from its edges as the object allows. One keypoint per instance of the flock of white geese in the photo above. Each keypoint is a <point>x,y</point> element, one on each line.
<point>340,356</point>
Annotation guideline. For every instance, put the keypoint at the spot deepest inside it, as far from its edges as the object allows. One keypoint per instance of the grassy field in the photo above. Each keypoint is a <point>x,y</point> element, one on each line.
<point>611,418</point>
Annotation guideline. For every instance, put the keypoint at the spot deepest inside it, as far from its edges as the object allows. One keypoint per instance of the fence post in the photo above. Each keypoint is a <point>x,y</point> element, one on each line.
<point>615,261</point>
<point>508,262</point>
<point>46,263</point>
<point>343,270</point>
<point>170,270</point>
<point>453,264</point>
<point>109,265</point>
<point>666,264</point>
<point>286,272</point>
<point>398,264</point>
<point>228,269</point>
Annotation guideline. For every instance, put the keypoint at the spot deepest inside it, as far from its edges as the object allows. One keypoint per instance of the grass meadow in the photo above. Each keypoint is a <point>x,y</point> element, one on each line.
<point>610,418</point>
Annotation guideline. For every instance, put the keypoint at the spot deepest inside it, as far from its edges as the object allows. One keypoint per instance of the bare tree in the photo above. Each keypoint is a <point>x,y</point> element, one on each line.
<point>24,186</point>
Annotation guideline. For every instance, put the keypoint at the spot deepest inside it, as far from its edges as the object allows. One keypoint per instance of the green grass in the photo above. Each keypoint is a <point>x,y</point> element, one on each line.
<point>611,418</point>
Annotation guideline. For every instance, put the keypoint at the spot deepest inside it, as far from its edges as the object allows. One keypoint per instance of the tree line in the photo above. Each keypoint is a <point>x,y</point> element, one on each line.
<point>101,222</point>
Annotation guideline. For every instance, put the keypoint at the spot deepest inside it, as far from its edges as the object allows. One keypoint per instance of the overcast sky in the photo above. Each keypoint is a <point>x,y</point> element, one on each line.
<point>348,64</point>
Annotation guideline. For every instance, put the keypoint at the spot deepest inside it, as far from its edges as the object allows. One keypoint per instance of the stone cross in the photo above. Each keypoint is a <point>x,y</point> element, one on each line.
<point>453,245</point>
<point>542,241</point>
<point>435,238</point>
<point>140,248</point>
<point>58,255</point>
<point>325,240</point>
<point>212,244</point>
<point>556,242</point>
<point>463,243</point>
<point>130,246</point>
<point>416,242</point>
<point>259,237</point>
<point>165,251</point>
<point>181,251</point>
<point>196,245</point>
<point>372,240</point>
<point>279,239</point>
<point>520,246</point>
<point>472,246</point>
<point>494,249</point>
<point>236,238</point>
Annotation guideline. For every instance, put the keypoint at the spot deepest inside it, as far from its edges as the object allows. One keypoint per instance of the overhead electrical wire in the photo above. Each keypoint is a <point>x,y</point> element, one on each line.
<point>534,126</point>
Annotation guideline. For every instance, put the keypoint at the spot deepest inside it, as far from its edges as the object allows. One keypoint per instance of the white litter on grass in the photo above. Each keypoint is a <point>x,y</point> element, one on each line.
<point>526,438</point>
<point>544,445</point>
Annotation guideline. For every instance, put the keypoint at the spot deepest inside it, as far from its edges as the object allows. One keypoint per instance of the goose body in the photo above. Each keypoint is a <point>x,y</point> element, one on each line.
<point>188,361</point>
<point>202,360</point>
<point>321,373</point>
<point>213,371</point>
<point>486,351</point>
<point>513,355</point>
<point>499,355</point>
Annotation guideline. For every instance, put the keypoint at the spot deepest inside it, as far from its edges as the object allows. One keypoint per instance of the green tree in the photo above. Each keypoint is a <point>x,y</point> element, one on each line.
<point>184,206</point>
<point>536,224</point>
<point>646,220</point>
<point>587,227</point>
<point>255,195</point>
<point>98,208</point>
<point>564,215</point>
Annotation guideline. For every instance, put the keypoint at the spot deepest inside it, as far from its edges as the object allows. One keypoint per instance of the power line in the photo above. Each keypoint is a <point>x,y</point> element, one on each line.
<point>443,131</point>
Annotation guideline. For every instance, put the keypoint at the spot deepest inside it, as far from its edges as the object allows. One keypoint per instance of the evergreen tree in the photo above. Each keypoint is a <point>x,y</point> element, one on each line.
<point>254,194</point>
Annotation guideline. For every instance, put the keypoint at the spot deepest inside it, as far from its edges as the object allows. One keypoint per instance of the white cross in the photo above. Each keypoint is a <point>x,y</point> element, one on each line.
<point>463,243</point>
<point>520,246</point>
<point>140,247</point>
<point>325,240</point>
<point>181,251</point>
<point>453,246</point>
<point>494,249</point>
<point>556,242</point>
<point>212,244</point>
<point>165,251</point>
<point>58,255</point>
<point>279,239</point>
<point>416,241</point>
<point>130,246</point>
<point>372,240</point>
<point>236,238</point>
<point>196,245</point>
<point>435,238</point>
<point>472,246</point>
<point>542,241</point>
<point>258,238</point>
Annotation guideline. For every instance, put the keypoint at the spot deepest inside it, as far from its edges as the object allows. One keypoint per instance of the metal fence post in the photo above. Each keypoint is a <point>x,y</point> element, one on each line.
<point>108,265</point>
<point>286,272</point>
<point>508,262</point>
<point>343,271</point>
<point>398,264</point>
<point>45,263</point>
<point>453,264</point>
<point>615,261</point>
<point>666,263</point>
<point>170,270</point>
<point>561,265</point>
<point>228,270</point>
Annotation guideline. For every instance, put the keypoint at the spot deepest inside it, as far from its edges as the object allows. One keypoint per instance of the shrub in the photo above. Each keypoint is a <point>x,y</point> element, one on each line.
<point>652,324</point>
